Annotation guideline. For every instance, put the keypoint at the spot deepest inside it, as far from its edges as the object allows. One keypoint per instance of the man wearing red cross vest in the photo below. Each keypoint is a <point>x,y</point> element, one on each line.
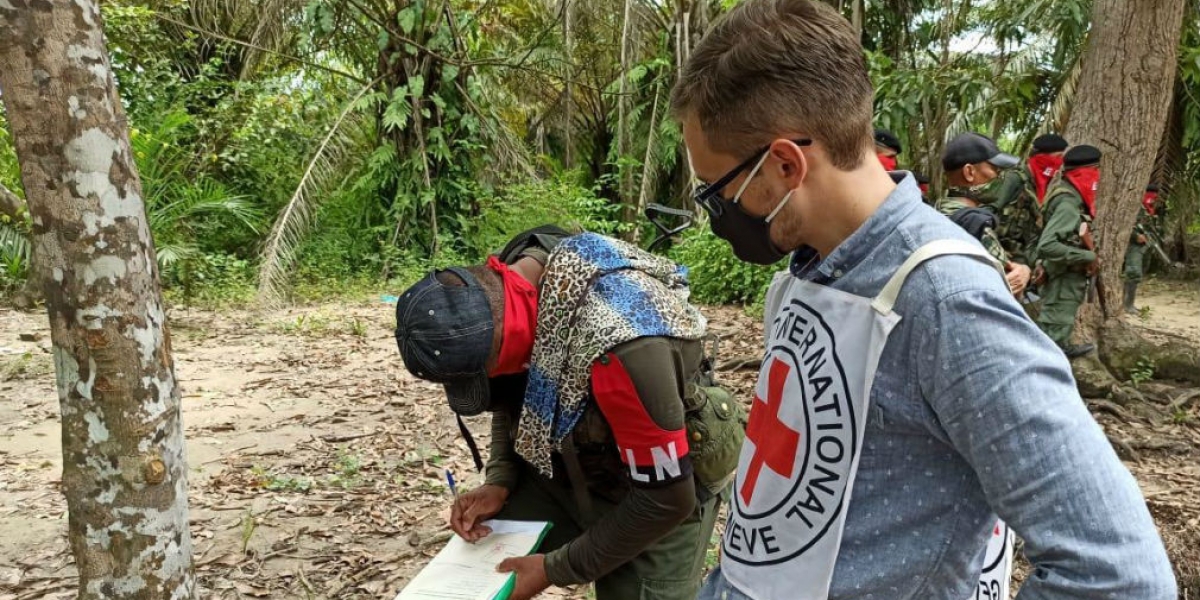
<point>905,402</point>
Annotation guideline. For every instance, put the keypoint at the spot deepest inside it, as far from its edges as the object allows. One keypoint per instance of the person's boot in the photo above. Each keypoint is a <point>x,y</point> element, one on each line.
<point>1074,351</point>
<point>1130,296</point>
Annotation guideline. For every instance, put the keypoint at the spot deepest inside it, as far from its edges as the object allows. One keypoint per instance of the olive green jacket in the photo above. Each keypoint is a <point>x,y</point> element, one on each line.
<point>1060,247</point>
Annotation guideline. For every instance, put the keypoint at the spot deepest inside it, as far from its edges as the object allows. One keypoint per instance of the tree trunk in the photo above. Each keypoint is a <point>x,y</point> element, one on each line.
<point>1125,82</point>
<point>1121,107</point>
<point>568,16</point>
<point>124,474</point>
<point>624,170</point>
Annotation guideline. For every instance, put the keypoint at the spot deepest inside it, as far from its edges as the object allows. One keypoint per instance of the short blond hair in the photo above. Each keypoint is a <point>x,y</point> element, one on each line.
<point>775,66</point>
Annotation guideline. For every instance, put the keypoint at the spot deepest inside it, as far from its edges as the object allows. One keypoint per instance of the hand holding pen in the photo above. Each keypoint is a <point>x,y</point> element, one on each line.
<point>472,508</point>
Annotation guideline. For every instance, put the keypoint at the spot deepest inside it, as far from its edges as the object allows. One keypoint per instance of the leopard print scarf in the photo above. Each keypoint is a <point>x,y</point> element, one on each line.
<point>596,293</point>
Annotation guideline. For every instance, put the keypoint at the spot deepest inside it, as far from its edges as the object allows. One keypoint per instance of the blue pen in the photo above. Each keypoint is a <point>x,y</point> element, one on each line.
<point>453,486</point>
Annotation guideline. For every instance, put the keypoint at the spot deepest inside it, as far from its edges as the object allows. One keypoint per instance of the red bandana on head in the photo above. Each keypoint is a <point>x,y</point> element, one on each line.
<point>1043,167</point>
<point>888,162</point>
<point>1085,180</point>
<point>520,320</point>
<point>1148,202</point>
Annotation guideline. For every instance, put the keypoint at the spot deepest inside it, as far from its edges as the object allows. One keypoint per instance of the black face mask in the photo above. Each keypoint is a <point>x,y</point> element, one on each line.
<point>749,235</point>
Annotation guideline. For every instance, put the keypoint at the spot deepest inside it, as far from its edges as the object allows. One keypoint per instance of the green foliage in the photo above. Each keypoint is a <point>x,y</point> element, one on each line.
<point>377,139</point>
<point>209,279</point>
<point>716,275</point>
<point>276,482</point>
<point>1180,415</point>
<point>10,171</point>
<point>1143,371</point>
<point>14,235</point>
<point>560,201</point>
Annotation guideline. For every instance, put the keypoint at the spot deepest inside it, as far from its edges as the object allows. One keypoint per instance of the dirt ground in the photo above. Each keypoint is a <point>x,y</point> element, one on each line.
<point>316,461</point>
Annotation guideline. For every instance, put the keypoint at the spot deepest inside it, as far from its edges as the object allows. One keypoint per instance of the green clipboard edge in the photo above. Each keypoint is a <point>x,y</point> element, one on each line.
<point>511,584</point>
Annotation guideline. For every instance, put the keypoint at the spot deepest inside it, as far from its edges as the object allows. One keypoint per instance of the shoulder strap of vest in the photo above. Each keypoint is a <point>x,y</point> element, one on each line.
<point>886,300</point>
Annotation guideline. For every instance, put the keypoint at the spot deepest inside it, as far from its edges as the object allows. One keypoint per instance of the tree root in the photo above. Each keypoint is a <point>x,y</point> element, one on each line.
<point>1111,408</point>
<point>1162,445</point>
<point>1124,450</point>
<point>1126,350</point>
<point>1183,399</point>
<point>740,362</point>
<point>1095,381</point>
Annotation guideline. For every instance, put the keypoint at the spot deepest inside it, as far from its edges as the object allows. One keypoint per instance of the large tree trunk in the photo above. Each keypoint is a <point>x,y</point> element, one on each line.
<point>1121,107</point>
<point>1126,80</point>
<point>124,473</point>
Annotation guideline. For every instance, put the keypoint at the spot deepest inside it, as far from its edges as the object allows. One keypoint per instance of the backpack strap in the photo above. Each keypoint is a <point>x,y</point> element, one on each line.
<point>545,237</point>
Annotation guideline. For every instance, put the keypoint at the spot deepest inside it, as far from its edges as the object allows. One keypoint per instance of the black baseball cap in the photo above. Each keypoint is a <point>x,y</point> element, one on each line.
<point>1051,142</point>
<point>1152,188</point>
<point>1081,156</point>
<point>971,148</point>
<point>444,333</point>
<point>888,139</point>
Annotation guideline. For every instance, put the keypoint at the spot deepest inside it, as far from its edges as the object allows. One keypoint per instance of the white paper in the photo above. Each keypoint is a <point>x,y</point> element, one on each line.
<point>465,571</point>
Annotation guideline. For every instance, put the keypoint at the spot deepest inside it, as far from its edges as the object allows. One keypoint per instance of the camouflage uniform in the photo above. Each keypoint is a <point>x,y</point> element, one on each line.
<point>1015,205</point>
<point>959,199</point>
<point>1134,254</point>
<point>1065,258</point>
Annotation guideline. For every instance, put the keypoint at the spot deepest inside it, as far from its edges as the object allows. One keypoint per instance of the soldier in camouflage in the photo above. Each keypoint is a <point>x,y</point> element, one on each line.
<point>1019,198</point>
<point>973,164</point>
<point>1066,247</point>
<point>1134,254</point>
<point>959,203</point>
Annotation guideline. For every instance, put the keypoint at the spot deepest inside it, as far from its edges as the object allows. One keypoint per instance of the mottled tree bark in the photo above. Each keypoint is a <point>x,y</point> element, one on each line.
<point>124,473</point>
<point>1121,107</point>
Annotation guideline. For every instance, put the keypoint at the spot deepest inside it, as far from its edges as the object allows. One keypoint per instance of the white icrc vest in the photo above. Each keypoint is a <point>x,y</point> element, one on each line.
<point>806,427</point>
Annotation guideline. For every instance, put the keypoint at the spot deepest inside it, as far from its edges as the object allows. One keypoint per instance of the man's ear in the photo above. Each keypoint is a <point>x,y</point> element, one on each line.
<point>969,174</point>
<point>790,161</point>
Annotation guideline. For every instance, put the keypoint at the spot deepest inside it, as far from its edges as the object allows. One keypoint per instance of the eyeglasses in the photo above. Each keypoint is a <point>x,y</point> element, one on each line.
<point>706,195</point>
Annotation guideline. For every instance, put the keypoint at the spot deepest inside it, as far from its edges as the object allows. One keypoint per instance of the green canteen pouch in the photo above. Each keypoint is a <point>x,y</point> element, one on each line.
<point>716,426</point>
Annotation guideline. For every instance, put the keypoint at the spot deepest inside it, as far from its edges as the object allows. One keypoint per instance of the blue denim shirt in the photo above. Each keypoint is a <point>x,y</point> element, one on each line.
<point>974,413</point>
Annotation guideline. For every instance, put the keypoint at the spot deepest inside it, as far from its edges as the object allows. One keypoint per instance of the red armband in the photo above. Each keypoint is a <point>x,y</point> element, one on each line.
<point>654,455</point>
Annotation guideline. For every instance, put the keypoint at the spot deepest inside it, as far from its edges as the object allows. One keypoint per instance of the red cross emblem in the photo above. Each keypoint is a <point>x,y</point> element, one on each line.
<point>774,442</point>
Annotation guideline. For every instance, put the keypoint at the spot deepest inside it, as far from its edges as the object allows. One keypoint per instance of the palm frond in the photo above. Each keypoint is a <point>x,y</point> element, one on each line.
<point>1060,110</point>
<point>169,253</point>
<point>292,223</point>
<point>264,27</point>
<point>14,245</point>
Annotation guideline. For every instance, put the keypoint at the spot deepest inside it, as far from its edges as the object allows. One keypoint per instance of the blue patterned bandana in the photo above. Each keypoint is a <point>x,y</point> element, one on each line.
<point>596,293</point>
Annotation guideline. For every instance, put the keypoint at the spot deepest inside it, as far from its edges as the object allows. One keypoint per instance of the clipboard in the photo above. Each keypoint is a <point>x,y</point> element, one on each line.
<point>465,571</point>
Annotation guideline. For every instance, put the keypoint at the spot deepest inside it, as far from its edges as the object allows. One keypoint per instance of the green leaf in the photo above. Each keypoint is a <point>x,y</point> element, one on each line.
<point>407,19</point>
<point>395,116</point>
<point>416,85</point>
<point>450,72</point>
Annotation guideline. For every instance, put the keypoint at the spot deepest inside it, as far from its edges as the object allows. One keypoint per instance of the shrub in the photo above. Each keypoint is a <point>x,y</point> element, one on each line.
<point>560,200</point>
<point>716,275</point>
